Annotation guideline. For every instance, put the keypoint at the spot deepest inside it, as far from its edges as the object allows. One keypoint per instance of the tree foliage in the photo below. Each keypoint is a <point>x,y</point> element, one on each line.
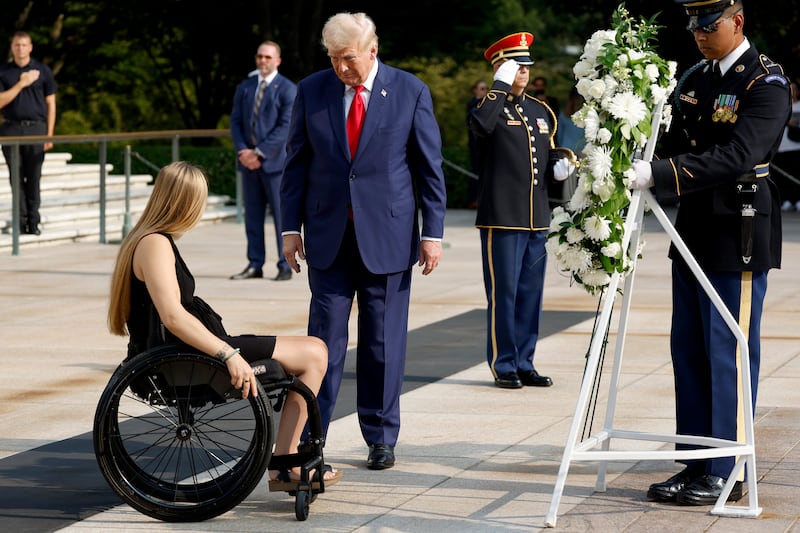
<point>170,64</point>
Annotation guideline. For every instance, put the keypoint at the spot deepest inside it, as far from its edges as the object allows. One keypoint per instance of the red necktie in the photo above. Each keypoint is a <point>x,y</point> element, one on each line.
<point>355,120</point>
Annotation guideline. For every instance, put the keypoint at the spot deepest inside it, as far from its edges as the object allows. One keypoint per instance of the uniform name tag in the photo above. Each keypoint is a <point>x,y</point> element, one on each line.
<point>513,122</point>
<point>687,98</point>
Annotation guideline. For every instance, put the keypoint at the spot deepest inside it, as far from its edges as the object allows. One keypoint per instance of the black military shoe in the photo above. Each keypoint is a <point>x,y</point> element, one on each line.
<point>509,380</point>
<point>667,491</point>
<point>706,489</point>
<point>533,379</point>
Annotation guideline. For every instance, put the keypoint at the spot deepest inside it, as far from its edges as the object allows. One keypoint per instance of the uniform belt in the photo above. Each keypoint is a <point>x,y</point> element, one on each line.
<point>26,122</point>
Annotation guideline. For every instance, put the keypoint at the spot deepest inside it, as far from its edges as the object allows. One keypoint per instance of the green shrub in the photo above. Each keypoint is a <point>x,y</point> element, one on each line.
<point>219,162</point>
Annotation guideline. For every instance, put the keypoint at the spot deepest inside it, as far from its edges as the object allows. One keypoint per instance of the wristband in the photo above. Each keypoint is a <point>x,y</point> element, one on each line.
<point>233,352</point>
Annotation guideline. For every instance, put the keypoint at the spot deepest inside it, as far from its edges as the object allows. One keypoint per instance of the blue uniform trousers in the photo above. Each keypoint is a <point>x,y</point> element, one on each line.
<point>705,360</point>
<point>513,273</point>
<point>260,188</point>
<point>383,301</point>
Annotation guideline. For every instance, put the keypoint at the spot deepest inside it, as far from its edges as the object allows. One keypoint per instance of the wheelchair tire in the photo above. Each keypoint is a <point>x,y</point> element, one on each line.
<point>176,441</point>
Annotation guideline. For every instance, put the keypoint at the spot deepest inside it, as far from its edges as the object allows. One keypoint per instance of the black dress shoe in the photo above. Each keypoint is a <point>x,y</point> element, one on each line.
<point>706,489</point>
<point>248,273</point>
<point>284,274</point>
<point>381,457</point>
<point>32,230</point>
<point>509,380</point>
<point>667,491</point>
<point>533,379</point>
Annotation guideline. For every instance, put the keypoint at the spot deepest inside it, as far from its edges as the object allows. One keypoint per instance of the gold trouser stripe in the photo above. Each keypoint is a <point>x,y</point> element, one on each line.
<point>492,302</point>
<point>745,304</point>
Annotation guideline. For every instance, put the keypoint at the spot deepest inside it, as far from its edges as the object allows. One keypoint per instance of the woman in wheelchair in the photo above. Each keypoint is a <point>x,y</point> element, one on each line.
<point>152,300</point>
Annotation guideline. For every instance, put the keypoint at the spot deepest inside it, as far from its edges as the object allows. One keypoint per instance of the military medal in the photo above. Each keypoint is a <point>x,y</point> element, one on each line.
<point>724,108</point>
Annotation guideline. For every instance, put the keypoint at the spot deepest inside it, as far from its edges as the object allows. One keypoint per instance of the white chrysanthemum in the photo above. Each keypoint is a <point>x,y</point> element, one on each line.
<point>595,278</point>
<point>612,250</point>
<point>603,135</point>
<point>574,235</point>
<point>628,107</point>
<point>591,123</point>
<point>576,259</point>
<point>652,72</point>
<point>584,69</point>
<point>597,228</point>
<point>599,161</point>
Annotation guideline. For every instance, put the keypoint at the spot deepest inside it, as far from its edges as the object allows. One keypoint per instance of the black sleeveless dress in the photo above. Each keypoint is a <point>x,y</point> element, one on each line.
<point>147,331</point>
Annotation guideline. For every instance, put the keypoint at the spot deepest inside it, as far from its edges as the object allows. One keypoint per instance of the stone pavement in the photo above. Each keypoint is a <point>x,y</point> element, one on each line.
<point>471,457</point>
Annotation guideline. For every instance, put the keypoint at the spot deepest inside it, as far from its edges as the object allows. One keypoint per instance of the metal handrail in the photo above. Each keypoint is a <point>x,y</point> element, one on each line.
<point>103,139</point>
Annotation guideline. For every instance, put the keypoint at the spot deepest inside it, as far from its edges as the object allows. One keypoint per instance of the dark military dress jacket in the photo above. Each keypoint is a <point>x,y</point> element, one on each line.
<point>514,137</point>
<point>723,136</point>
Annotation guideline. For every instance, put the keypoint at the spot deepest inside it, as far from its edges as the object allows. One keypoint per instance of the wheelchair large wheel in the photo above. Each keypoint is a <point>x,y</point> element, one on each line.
<point>176,441</point>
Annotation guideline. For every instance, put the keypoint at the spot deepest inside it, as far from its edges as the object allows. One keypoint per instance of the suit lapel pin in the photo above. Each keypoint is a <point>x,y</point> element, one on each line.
<point>383,93</point>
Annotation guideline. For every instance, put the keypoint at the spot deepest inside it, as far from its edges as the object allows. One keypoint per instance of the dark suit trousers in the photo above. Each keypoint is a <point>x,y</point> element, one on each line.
<point>705,356</point>
<point>31,158</point>
<point>382,332</point>
<point>259,189</point>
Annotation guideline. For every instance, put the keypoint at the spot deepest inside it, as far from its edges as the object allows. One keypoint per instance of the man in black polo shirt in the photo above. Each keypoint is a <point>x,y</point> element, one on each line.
<point>28,104</point>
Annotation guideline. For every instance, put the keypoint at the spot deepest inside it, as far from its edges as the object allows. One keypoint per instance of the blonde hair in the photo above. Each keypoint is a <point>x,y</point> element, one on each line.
<point>176,205</point>
<point>343,30</point>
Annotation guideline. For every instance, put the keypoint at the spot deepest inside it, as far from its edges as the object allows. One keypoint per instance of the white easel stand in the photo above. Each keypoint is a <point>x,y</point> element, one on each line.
<point>587,449</point>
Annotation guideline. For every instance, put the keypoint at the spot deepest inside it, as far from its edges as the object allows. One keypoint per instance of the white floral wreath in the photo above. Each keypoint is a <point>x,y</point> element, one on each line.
<point>622,79</point>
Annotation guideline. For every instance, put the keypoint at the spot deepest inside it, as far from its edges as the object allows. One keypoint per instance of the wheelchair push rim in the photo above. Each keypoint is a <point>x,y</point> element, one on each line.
<point>175,441</point>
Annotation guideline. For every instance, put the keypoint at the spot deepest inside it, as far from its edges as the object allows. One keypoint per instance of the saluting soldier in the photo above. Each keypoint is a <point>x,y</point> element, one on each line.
<point>516,160</point>
<point>730,112</point>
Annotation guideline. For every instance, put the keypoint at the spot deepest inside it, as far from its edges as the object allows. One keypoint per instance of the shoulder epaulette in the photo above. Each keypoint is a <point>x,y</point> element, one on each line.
<point>771,72</point>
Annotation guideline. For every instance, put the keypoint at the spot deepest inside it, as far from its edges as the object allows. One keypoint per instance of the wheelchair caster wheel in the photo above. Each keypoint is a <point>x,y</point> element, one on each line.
<point>301,505</point>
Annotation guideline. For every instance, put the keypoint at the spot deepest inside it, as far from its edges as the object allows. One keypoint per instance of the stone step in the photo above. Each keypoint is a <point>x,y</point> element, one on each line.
<point>88,229</point>
<point>81,197</point>
<point>61,215</point>
<point>80,183</point>
<point>70,209</point>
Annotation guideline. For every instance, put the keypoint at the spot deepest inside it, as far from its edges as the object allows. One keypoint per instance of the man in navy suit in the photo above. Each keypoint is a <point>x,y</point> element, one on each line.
<point>262,107</point>
<point>356,197</point>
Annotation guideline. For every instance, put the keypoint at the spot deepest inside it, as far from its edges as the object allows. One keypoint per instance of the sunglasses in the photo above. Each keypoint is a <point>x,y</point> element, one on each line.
<point>711,28</point>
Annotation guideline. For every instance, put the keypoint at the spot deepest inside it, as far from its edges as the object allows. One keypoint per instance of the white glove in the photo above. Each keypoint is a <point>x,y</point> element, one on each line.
<point>644,175</point>
<point>507,72</point>
<point>563,169</point>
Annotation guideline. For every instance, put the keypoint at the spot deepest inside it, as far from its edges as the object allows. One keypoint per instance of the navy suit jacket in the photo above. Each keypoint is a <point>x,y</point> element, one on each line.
<point>272,126</point>
<point>398,164</point>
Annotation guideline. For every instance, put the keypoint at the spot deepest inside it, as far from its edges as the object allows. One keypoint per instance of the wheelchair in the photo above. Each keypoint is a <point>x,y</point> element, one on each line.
<point>177,442</point>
